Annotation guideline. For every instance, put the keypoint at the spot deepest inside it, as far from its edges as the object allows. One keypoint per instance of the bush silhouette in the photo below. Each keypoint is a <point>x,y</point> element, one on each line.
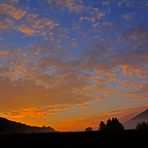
<point>113,124</point>
<point>142,126</point>
<point>88,129</point>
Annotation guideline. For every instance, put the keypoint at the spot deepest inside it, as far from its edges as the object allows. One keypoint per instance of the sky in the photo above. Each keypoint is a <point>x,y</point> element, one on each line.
<point>72,63</point>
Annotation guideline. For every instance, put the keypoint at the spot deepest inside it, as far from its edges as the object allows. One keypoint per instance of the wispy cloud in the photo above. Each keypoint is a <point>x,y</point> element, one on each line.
<point>12,10</point>
<point>32,112</point>
<point>25,29</point>
<point>72,5</point>
<point>5,24</point>
<point>4,53</point>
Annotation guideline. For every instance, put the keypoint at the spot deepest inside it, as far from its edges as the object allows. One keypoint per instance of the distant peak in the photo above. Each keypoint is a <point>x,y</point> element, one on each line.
<point>146,110</point>
<point>143,115</point>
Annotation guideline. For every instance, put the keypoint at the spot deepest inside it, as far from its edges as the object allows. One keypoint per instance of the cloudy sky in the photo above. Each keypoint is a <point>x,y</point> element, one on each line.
<point>71,63</point>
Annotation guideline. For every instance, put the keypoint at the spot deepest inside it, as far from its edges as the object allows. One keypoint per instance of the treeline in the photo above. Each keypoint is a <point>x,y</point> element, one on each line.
<point>115,124</point>
<point>112,124</point>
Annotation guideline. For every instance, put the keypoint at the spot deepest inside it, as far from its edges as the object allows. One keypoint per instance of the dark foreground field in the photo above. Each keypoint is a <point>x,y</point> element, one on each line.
<point>74,139</point>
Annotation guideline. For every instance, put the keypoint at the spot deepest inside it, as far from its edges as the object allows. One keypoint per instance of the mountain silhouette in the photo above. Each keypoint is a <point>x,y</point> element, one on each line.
<point>12,127</point>
<point>141,117</point>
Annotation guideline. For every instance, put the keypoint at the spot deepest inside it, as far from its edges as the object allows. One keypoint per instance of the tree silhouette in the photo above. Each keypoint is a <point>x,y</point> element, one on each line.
<point>116,125</point>
<point>142,126</point>
<point>88,129</point>
<point>102,126</point>
<point>113,124</point>
<point>109,124</point>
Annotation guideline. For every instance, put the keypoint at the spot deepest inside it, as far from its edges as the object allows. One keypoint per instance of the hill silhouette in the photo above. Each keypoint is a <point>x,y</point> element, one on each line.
<point>29,136</point>
<point>12,127</point>
<point>139,118</point>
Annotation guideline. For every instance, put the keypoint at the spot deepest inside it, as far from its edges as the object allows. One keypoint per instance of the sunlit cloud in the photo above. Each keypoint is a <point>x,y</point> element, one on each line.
<point>4,53</point>
<point>40,23</point>
<point>12,10</point>
<point>25,112</point>
<point>5,24</point>
<point>72,5</point>
<point>25,29</point>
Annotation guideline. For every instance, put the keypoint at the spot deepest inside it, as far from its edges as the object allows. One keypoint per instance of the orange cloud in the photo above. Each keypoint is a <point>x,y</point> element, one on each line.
<point>70,4</point>
<point>4,53</point>
<point>128,69</point>
<point>12,10</point>
<point>41,23</point>
<point>25,29</point>
<point>136,90</point>
<point>32,112</point>
<point>54,109</point>
<point>141,92</point>
<point>40,26</point>
<point>5,24</point>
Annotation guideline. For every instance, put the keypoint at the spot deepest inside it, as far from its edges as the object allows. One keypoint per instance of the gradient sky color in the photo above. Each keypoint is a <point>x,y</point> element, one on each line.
<point>71,63</point>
